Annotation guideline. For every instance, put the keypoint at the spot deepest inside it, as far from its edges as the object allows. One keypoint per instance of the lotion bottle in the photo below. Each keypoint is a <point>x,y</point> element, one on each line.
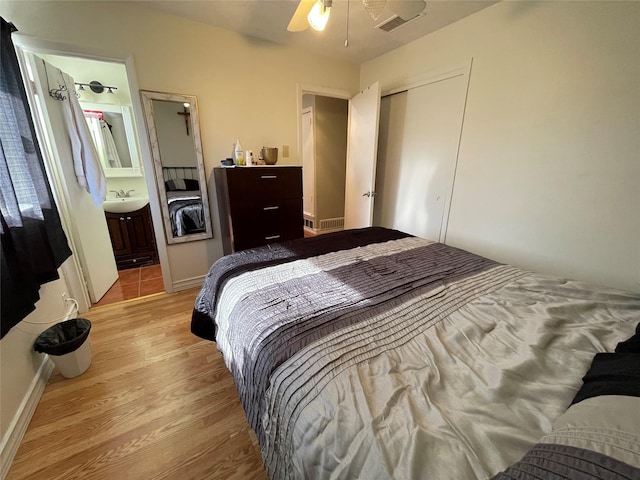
<point>238,154</point>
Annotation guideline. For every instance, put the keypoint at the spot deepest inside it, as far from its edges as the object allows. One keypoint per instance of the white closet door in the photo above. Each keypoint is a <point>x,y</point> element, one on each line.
<point>418,146</point>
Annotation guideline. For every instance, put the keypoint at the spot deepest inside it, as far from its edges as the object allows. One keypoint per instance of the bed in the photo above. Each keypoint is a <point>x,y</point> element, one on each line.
<point>184,200</point>
<point>373,354</point>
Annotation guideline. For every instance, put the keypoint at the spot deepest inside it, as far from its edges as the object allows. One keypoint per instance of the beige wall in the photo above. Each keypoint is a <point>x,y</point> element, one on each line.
<point>548,169</point>
<point>246,88</point>
<point>331,156</point>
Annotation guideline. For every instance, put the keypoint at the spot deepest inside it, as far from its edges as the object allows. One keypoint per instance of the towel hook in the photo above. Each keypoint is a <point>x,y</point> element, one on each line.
<point>56,93</point>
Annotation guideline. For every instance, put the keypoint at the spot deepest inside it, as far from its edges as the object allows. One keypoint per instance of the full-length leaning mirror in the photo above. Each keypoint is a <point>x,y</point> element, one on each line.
<point>174,136</point>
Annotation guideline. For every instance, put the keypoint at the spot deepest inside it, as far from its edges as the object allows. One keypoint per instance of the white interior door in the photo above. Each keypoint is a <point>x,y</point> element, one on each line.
<point>362,147</point>
<point>419,137</point>
<point>308,163</point>
<point>88,225</point>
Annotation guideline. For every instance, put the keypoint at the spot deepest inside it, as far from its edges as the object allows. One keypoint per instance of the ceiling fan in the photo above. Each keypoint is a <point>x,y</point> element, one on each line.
<point>315,13</point>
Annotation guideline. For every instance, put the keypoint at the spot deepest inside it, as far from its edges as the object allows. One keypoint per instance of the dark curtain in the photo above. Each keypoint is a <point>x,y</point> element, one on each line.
<point>33,244</point>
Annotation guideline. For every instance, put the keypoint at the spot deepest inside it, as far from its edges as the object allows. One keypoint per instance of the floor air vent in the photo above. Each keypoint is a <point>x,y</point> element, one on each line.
<point>332,223</point>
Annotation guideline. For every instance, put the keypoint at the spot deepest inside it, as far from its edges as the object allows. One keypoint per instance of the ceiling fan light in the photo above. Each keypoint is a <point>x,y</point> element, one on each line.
<point>319,15</point>
<point>374,7</point>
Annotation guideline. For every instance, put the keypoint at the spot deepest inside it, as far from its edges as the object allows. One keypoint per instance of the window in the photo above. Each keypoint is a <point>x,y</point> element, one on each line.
<point>33,244</point>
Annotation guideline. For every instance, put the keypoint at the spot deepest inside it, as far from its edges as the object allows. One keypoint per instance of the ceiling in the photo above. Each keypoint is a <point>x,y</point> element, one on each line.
<point>268,20</point>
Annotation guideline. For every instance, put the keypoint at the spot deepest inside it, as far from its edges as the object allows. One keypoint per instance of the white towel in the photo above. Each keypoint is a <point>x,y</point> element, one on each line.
<point>103,139</point>
<point>86,161</point>
<point>111,157</point>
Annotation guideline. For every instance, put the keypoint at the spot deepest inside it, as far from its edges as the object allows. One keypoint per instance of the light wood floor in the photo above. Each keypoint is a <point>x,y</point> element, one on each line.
<point>156,403</point>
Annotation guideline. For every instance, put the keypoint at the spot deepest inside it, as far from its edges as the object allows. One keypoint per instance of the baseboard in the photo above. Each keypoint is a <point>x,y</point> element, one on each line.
<point>15,433</point>
<point>188,283</point>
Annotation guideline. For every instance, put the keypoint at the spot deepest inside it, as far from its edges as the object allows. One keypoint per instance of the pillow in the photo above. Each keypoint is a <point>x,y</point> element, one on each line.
<point>597,439</point>
<point>181,184</point>
<point>175,184</point>
<point>613,373</point>
<point>191,184</point>
<point>599,434</point>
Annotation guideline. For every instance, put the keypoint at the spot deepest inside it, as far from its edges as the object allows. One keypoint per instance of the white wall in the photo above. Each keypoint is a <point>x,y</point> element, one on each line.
<point>228,72</point>
<point>549,164</point>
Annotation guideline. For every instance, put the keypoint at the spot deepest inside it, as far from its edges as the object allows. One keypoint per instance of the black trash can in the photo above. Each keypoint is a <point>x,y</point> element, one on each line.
<point>68,345</point>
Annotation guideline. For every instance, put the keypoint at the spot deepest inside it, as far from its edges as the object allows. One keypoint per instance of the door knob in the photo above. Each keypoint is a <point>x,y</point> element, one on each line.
<point>369,194</point>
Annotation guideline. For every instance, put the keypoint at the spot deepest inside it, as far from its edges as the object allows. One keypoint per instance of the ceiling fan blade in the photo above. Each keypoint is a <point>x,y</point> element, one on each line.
<point>299,21</point>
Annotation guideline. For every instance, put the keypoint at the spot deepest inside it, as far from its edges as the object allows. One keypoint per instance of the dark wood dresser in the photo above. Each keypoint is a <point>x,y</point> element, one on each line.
<point>132,238</point>
<point>258,205</point>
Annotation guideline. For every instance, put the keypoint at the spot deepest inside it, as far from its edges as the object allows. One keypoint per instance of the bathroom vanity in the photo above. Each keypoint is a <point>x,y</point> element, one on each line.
<point>132,238</point>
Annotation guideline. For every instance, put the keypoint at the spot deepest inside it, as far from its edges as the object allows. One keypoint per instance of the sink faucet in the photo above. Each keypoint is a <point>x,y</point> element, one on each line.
<point>121,193</point>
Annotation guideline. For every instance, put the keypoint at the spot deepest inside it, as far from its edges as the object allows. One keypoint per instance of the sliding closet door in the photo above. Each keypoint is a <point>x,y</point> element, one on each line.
<point>417,152</point>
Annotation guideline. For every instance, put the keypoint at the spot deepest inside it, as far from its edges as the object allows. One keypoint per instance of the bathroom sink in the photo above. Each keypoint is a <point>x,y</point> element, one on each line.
<point>124,204</point>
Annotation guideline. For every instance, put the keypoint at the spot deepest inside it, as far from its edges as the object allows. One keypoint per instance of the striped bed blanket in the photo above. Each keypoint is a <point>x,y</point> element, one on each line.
<point>373,354</point>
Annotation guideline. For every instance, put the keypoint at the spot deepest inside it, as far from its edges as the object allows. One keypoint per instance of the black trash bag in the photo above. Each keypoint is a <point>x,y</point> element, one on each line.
<point>64,337</point>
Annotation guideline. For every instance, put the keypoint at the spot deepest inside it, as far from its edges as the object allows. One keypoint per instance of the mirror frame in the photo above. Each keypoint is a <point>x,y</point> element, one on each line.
<point>134,151</point>
<point>147,104</point>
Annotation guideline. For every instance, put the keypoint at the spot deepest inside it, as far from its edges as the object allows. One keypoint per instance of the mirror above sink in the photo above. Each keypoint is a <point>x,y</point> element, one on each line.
<point>113,132</point>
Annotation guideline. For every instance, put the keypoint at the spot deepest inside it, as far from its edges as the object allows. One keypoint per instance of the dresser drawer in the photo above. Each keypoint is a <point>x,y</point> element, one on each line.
<point>253,240</point>
<point>266,215</point>
<point>264,183</point>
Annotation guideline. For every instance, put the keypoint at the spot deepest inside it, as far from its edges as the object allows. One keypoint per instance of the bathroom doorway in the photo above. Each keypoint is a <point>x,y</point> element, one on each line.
<point>97,269</point>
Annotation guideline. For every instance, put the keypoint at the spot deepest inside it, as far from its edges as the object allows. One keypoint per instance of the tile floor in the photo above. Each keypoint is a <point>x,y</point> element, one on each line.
<point>134,283</point>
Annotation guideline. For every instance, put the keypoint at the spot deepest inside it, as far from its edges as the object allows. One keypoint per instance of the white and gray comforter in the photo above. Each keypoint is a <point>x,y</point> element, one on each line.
<point>404,358</point>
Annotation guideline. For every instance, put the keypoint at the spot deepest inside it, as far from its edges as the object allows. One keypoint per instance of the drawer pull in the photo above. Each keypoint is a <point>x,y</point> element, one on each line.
<point>270,208</point>
<point>268,176</point>
<point>272,237</point>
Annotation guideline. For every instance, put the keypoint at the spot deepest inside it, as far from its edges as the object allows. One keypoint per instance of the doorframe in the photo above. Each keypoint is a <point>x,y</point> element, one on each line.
<point>308,110</point>
<point>26,43</point>
<point>426,77</point>
<point>307,89</point>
